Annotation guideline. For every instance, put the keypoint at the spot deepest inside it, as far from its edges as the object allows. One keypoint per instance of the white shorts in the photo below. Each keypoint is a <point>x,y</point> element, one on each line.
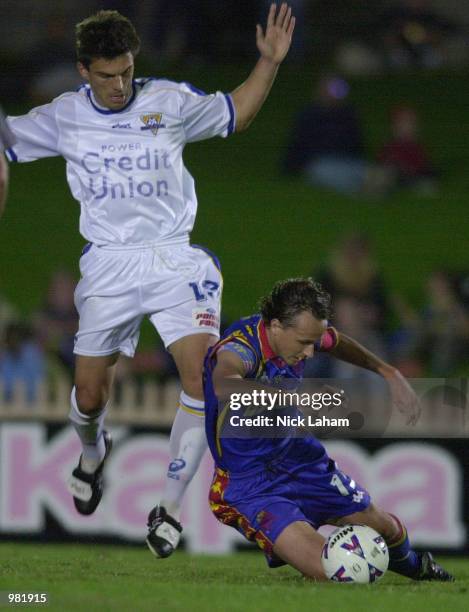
<point>178,287</point>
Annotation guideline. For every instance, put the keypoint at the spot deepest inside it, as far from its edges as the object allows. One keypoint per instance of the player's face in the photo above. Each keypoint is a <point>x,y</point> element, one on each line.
<point>110,80</point>
<point>296,341</point>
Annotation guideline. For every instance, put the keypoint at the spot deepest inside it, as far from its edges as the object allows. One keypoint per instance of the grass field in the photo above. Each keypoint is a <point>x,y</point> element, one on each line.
<point>119,578</point>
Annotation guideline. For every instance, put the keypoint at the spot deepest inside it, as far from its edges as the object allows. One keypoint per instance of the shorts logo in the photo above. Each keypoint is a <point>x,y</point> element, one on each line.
<point>265,520</point>
<point>152,122</point>
<point>205,317</point>
<point>358,496</point>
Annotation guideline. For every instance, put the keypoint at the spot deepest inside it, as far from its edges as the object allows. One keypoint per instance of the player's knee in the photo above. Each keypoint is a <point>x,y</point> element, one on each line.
<point>90,400</point>
<point>192,386</point>
<point>381,521</point>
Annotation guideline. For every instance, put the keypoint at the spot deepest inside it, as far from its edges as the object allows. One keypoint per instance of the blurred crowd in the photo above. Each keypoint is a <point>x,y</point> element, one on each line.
<point>432,341</point>
<point>40,349</point>
<point>356,38</point>
<point>327,147</point>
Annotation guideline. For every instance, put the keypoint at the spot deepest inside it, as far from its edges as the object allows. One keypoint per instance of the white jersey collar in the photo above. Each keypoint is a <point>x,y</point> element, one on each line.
<point>108,111</point>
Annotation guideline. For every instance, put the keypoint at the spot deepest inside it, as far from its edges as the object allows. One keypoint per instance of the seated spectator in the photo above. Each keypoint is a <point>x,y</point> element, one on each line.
<point>327,143</point>
<point>21,362</point>
<point>406,156</point>
<point>327,146</point>
<point>57,322</point>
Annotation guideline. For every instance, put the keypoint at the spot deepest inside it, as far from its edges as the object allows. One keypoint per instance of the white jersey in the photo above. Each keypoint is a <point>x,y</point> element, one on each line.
<point>126,167</point>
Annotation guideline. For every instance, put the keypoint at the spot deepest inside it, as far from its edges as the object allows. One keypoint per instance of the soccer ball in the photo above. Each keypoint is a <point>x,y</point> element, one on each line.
<point>355,553</point>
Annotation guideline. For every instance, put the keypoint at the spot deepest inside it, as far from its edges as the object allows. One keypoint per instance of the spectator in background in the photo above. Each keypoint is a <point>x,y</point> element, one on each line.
<point>444,327</point>
<point>21,362</point>
<point>52,62</point>
<point>353,278</point>
<point>353,272</point>
<point>416,36</point>
<point>57,322</point>
<point>150,364</point>
<point>202,32</point>
<point>353,315</point>
<point>438,337</point>
<point>404,154</point>
<point>327,145</point>
<point>157,363</point>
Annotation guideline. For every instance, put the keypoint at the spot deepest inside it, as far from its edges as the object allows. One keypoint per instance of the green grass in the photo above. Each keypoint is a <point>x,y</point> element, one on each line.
<point>79,577</point>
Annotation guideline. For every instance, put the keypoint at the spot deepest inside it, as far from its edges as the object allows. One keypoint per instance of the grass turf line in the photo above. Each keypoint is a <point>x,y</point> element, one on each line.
<point>83,577</point>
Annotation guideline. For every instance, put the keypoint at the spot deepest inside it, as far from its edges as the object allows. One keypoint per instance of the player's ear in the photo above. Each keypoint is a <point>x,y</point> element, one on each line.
<point>275,326</point>
<point>83,71</point>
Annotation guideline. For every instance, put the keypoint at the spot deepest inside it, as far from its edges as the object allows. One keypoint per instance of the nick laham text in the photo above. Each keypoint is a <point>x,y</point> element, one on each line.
<point>287,421</point>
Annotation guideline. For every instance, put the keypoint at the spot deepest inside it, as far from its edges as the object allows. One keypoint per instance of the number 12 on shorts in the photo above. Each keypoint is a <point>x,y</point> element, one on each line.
<point>338,483</point>
<point>204,289</point>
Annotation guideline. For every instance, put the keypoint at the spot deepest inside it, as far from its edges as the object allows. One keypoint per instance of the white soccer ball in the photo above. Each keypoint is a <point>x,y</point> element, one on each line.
<point>355,553</point>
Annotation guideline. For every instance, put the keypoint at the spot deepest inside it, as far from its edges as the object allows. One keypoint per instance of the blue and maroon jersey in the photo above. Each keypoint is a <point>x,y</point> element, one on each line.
<point>248,339</point>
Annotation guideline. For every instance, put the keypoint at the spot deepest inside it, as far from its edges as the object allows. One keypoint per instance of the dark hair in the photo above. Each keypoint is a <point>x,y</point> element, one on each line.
<point>107,34</point>
<point>292,296</point>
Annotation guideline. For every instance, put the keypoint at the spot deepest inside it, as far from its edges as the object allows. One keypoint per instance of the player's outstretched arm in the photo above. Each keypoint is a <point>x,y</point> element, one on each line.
<point>403,396</point>
<point>273,45</point>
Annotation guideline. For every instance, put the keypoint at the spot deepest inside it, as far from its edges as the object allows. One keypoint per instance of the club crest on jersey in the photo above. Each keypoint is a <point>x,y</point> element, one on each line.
<point>152,122</point>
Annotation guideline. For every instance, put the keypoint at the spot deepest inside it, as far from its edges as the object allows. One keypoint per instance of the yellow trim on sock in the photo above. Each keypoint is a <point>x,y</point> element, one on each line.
<point>199,413</point>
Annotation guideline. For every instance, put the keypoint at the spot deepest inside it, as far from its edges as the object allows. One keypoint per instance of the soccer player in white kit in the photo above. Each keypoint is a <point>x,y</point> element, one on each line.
<point>123,139</point>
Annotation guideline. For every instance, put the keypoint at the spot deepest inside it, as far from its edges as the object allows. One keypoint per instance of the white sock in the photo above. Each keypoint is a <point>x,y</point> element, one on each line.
<point>90,432</point>
<point>187,446</point>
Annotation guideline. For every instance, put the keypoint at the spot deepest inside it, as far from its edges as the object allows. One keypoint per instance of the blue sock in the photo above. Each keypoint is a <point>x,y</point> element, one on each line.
<point>402,559</point>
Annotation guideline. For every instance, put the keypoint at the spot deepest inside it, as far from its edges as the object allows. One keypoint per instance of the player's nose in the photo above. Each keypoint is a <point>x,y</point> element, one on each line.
<point>308,351</point>
<point>118,83</point>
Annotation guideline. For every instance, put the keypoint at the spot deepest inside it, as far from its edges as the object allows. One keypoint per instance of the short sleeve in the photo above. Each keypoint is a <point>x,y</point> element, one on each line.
<point>246,355</point>
<point>206,115</point>
<point>36,134</point>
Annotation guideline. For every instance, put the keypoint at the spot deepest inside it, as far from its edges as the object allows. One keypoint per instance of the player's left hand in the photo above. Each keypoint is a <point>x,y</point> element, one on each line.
<point>404,397</point>
<point>274,44</point>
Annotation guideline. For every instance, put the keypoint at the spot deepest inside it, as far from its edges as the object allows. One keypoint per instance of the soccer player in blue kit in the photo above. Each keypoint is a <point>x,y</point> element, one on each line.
<point>277,490</point>
<point>123,139</point>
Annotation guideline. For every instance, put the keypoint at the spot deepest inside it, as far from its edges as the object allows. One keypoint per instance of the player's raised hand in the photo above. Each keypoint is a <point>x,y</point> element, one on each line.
<point>275,42</point>
<point>404,397</point>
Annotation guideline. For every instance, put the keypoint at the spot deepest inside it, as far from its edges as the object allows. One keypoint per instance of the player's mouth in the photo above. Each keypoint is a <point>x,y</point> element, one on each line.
<point>118,99</point>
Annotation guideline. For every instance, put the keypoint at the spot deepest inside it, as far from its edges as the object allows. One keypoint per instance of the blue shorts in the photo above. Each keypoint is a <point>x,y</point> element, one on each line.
<point>262,505</point>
